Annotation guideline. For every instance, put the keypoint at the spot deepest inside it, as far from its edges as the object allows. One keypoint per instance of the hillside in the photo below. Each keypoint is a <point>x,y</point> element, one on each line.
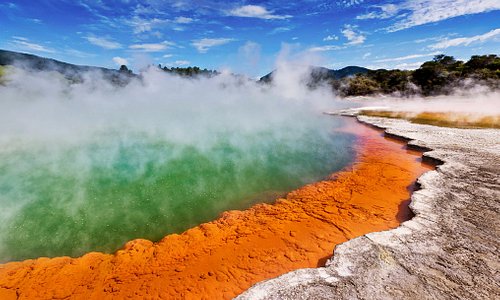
<point>321,73</point>
<point>70,71</point>
<point>440,76</point>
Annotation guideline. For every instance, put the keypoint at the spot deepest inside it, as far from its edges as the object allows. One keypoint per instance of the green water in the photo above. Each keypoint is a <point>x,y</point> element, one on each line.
<point>98,193</point>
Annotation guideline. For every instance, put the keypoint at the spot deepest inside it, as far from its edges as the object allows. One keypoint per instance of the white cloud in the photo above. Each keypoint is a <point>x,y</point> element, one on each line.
<point>366,55</point>
<point>203,45</point>
<point>429,39</point>
<point>182,62</point>
<point>331,38</point>
<point>167,55</point>
<point>183,20</point>
<point>386,11</point>
<point>409,66</point>
<point>103,42</point>
<point>412,13</point>
<point>400,66</point>
<point>23,43</point>
<point>407,57</point>
<point>255,11</point>
<point>353,35</point>
<point>141,25</point>
<point>429,11</point>
<point>325,48</point>
<point>466,40</point>
<point>349,3</point>
<point>157,34</point>
<point>143,10</point>
<point>250,53</point>
<point>151,47</point>
<point>9,5</point>
<point>21,38</point>
<point>78,53</point>
<point>120,61</point>
<point>280,30</point>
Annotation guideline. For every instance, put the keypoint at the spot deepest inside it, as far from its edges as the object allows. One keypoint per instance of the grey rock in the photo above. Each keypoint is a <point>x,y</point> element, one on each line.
<point>449,250</point>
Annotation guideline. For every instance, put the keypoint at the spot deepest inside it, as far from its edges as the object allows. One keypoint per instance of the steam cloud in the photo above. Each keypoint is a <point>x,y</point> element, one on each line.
<point>471,99</point>
<point>65,147</point>
<point>41,105</point>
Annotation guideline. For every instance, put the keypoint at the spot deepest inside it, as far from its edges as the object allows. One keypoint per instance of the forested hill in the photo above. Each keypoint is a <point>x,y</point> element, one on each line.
<point>74,72</point>
<point>71,71</point>
<point>320,73</point>
<point>441,75</point>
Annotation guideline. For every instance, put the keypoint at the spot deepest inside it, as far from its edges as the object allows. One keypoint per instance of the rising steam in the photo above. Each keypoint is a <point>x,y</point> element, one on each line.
<point>89,165</point>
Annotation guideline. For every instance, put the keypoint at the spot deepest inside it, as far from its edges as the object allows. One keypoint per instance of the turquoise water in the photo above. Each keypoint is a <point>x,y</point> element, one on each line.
<point>95,194</point>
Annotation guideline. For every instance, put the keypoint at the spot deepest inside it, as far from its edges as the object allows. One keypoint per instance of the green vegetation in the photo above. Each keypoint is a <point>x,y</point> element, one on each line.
<point>438,76</point>
<point>443,119</point>
<point>357,85</point>
<point>189,71</point>
<point>3,71</point>
<point>124,69</point>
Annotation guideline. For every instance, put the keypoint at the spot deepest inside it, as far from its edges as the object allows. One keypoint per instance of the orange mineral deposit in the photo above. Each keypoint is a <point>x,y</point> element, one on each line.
<point>222,258</point>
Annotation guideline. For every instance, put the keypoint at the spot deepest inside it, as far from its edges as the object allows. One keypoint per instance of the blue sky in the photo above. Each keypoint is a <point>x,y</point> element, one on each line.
<point>247,36</point>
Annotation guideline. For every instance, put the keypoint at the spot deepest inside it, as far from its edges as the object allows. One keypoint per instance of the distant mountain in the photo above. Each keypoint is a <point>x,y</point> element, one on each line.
<point>324,74</point>
<point>70,71</point>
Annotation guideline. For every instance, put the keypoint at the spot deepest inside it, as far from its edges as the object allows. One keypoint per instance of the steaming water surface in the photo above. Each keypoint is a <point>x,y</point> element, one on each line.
<point>69,185</point>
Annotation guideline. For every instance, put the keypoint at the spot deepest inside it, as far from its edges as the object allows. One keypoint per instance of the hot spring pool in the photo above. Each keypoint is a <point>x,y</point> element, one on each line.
<point>98,192</point>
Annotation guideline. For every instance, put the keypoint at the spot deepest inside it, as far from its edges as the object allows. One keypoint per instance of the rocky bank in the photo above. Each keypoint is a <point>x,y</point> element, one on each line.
<point>449,250</point>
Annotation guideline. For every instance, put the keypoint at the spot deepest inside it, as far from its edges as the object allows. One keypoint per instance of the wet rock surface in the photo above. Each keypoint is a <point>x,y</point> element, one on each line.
<point>449,250</point>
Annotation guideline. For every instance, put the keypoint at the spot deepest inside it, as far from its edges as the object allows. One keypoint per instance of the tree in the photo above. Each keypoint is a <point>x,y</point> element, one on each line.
<point>430,77</point>
<point>444,60</point>
<point>190,71</point>
<point>491,62</point>
<point>361,85</point>
<point>2,72</point>
<point>124,69</point>
<point>483,67</point>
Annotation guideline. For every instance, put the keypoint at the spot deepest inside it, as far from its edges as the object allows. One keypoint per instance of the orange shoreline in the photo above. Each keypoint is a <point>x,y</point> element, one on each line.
<point>223,258</point>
